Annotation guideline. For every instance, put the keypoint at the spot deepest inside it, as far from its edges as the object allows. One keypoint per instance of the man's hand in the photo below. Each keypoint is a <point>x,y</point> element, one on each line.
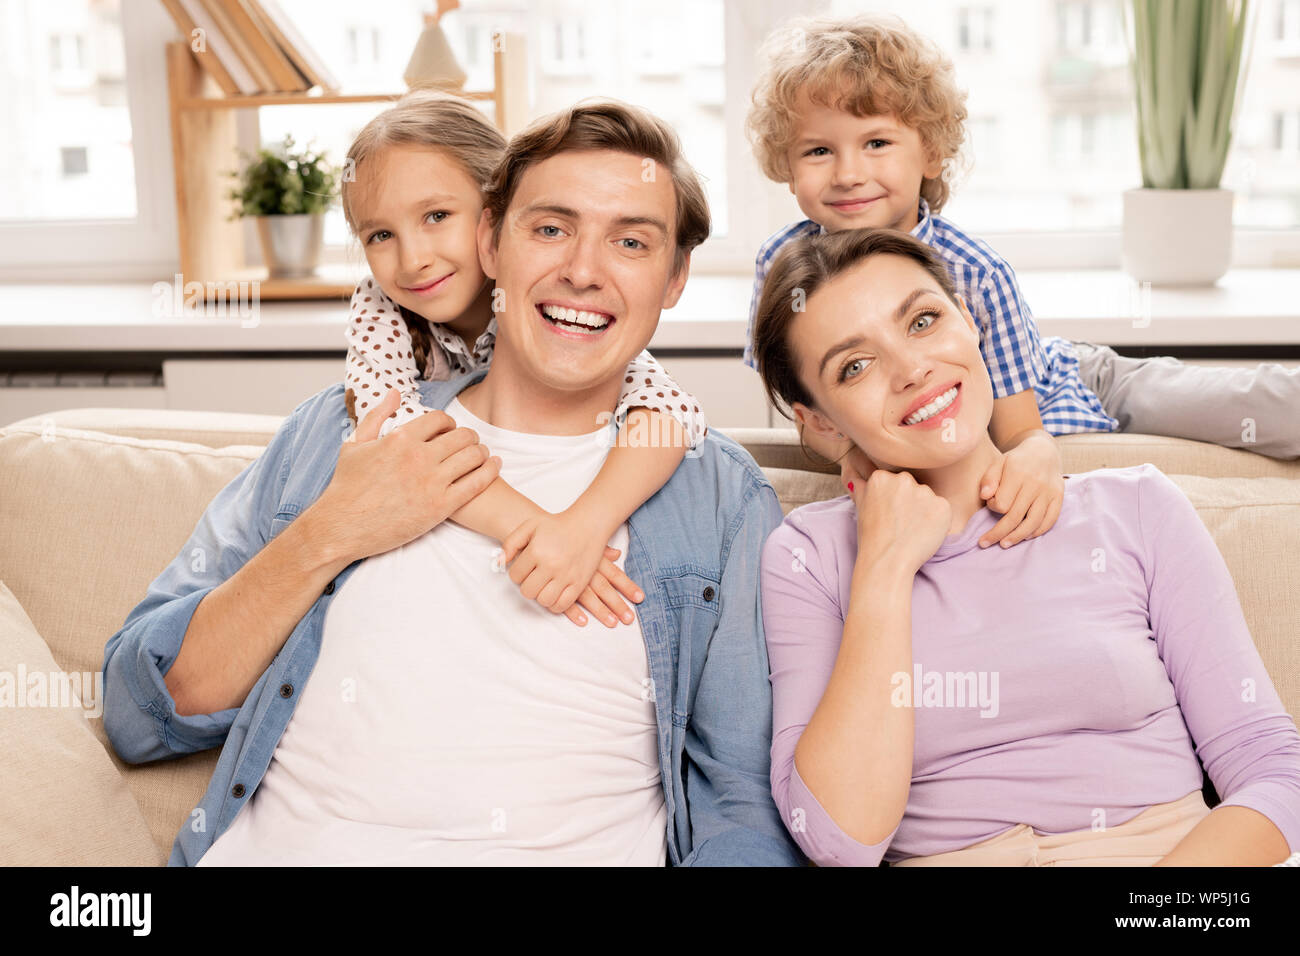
<point>1026,487</point>
<point>559,566</point>
<point>388,491</point>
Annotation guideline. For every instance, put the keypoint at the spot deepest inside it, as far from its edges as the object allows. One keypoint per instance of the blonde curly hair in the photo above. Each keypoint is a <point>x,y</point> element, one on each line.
<point>869,65</point>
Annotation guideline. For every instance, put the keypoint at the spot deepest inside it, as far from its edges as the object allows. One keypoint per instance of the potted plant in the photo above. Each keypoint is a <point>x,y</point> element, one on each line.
<point>287,190</point>
<point>1187,71</point>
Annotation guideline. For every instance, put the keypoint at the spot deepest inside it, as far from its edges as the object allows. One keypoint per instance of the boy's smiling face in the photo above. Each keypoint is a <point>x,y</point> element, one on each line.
<point>857,172</point>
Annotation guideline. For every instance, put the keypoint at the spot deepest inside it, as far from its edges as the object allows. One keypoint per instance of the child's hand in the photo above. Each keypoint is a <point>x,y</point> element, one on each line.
<point>1025,486</point>
<point>558,564</point>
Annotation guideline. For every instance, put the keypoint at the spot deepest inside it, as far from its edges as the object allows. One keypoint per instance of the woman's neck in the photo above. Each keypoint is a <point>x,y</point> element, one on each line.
<point>959,482</point>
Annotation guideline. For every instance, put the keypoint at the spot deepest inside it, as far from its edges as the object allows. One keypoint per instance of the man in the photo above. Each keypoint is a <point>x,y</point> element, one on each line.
<point>382,695</point>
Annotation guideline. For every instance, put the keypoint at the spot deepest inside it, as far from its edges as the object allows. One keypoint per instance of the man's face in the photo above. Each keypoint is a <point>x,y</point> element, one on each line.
<point>857,172</point>
<point>584,265</point>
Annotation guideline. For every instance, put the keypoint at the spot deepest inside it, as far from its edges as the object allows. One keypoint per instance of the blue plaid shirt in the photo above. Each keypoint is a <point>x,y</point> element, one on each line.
<point>1017,358</point>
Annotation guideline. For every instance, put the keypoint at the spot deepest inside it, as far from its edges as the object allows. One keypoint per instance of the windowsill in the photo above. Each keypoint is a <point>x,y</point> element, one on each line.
<point>1247,307</point>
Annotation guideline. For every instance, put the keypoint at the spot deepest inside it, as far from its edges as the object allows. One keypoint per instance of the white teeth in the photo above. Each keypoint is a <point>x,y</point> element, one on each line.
<point>591,320</point>
<point>934,408</point>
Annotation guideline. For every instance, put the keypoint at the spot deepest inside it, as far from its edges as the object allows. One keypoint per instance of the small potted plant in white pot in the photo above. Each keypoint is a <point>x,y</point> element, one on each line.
<point>1187,72</point>
<point>288,191</point>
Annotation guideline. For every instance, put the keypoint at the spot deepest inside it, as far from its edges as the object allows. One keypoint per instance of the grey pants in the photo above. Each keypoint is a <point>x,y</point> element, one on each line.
<point>1257,409</point>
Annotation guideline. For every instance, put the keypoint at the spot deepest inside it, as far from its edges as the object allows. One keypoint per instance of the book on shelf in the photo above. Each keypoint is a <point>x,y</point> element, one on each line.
<point>294,44</point>
<point>204,49</point>
<point>240,21</point>
<point>250,46</point>
<point>218,17</point>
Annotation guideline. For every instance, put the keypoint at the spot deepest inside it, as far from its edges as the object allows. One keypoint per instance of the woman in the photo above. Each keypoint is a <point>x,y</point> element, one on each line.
<point>938,703</point>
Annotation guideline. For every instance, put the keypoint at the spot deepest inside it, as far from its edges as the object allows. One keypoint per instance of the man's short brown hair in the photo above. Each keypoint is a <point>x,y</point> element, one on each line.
<point>604,124</point>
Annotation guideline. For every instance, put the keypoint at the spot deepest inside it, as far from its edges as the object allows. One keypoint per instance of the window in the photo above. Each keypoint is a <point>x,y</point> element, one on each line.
<point>975,29</point>
<point>576,49</point>
<point>1286,131</point>
<point>363,45</point>
<point>564,45</point>
<point>1050,146</point>
<point>1286,24</point>
<point>64,95</point>
<point>74,160</point>
<point>1063,111</point>
<point>87,175</point>
<point>983,139</point>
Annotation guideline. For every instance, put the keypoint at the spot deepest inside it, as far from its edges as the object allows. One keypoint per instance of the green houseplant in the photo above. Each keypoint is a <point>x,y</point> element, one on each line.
<point>1187,60</point>
<point>287,190</point>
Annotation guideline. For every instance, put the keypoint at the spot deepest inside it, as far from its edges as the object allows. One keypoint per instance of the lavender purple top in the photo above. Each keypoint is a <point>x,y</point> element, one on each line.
<point>1085,670</point>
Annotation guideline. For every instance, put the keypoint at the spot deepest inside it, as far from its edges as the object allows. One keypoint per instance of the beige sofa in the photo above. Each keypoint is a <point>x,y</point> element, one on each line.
<point>95,502</point>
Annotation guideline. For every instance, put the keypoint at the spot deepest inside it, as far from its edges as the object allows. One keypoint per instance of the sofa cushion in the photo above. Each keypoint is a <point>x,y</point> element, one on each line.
<point>87,521</point>
<point>62,801</point>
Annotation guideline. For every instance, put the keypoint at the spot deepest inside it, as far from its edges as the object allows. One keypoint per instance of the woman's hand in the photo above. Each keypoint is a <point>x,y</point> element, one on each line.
<point>855,462</point>
<point>558,565</point>
<point>1025,486</point>
<point>901,523</point>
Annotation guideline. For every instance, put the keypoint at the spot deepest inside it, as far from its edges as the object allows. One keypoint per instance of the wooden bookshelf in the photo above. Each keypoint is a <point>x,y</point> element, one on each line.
<point>204,149</point>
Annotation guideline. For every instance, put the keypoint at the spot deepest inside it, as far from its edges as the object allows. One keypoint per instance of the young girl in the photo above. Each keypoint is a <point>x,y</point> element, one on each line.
<point>413,198</point>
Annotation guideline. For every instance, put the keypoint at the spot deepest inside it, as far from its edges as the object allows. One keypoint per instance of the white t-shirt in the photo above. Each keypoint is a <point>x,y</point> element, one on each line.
<point>449,720</point>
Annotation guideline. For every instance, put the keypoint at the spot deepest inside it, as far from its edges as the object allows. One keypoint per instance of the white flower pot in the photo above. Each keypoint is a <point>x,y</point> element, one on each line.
<point>1177,236</point>
<point>291,245</point>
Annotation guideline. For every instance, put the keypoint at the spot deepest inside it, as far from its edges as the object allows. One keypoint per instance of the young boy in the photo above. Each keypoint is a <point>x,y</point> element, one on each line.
<point>862,118</point>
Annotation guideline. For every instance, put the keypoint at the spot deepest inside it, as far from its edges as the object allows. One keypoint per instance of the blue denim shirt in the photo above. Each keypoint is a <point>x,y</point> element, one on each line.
<point>693,547</point>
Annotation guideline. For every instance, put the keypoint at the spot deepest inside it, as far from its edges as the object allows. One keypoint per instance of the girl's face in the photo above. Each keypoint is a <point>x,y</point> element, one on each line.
<point>878,348</point>
<point>417,213</point>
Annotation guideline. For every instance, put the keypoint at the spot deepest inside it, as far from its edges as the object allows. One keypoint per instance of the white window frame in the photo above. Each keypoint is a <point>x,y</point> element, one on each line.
<point>100,249</point>
<point>756,207</point>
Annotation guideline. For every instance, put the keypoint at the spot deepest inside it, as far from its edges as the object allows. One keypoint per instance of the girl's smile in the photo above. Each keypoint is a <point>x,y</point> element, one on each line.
<point>431,288</point>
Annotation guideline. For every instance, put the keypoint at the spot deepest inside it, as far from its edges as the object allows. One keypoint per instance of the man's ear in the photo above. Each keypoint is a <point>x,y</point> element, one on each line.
<point>487,250</point>
<point>677,283</point>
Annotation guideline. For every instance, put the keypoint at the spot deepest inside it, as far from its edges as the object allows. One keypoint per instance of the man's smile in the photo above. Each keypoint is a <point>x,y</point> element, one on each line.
<point>573,320</point>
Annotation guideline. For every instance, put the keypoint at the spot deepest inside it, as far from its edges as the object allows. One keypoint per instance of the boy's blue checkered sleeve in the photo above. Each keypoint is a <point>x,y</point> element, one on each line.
<point>1009,342</point>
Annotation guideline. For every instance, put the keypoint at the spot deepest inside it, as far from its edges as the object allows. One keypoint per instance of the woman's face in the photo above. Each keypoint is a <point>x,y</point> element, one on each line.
<point>417,213</point>
<point>878,348</point>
